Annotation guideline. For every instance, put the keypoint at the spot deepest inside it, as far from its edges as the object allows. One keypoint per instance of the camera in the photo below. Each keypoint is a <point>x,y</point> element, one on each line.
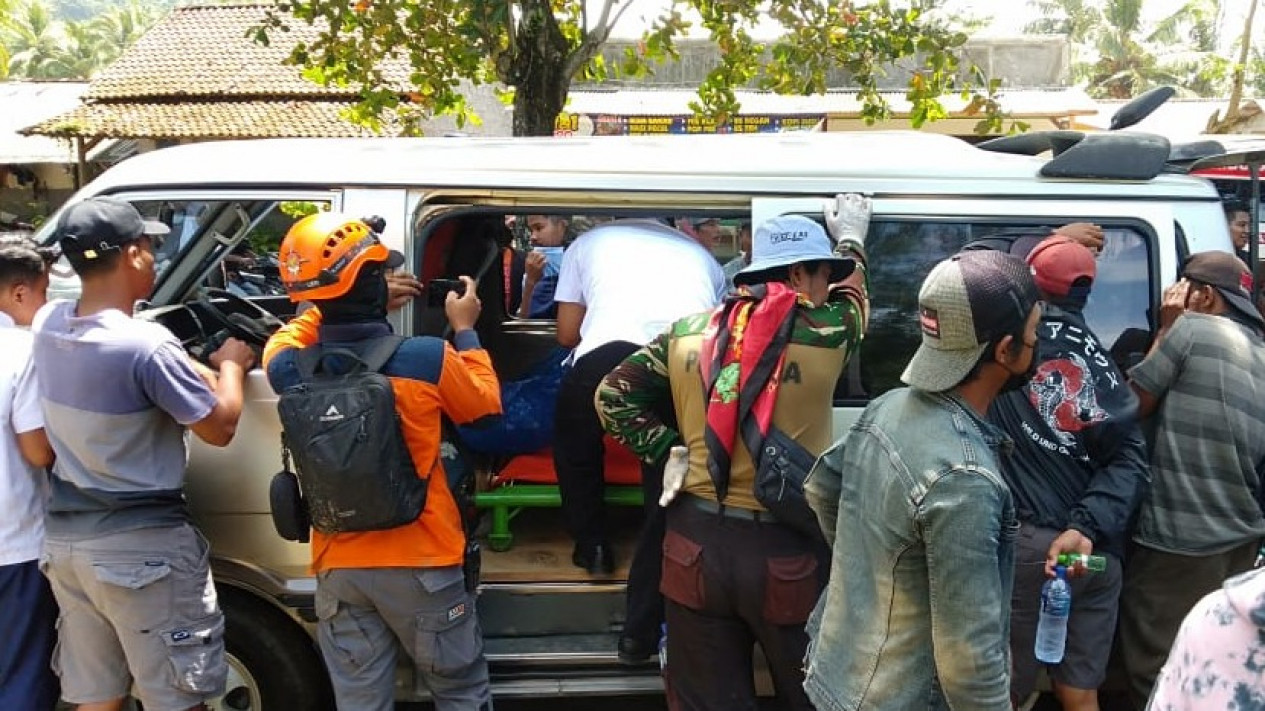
<point>437,290</point>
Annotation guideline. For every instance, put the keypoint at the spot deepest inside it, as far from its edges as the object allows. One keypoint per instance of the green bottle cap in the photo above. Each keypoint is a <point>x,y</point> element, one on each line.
<point>1092,563</point>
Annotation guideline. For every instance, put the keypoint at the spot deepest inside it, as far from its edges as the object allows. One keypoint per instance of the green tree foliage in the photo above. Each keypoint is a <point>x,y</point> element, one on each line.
<point>6,7</point>
<point>408,58</point>
<point>1077,19</point>
<point>1119,55</point>
<point>36,42</point>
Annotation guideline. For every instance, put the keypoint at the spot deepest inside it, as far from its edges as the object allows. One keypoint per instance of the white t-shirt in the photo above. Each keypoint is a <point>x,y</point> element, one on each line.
<point>634,278</point>
<point>23,488</point>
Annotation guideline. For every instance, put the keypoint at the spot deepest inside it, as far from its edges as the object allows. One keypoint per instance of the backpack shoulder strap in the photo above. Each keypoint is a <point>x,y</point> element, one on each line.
<point>307,360</point>
<point>371,354</point>
<point>375,352</point>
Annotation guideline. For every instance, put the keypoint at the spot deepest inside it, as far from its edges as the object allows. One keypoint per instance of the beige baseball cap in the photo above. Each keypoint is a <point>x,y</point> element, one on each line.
<point>968,301</point>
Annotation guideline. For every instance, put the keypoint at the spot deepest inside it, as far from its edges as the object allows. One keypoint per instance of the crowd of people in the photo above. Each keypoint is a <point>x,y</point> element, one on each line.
<point>900,567</point>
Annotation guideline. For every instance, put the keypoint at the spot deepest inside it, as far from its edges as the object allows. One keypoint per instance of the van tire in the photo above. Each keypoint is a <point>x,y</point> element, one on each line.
<point>279,656</point>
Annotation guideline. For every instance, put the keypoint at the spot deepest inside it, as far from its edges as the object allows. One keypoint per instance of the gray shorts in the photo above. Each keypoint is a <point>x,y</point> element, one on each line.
<point>138,613</point>
<point>368,614</point>
<point>1090,628</point>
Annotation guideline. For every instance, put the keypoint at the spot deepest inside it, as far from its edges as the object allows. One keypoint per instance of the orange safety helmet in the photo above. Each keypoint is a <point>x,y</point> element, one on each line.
<point>322,254</point>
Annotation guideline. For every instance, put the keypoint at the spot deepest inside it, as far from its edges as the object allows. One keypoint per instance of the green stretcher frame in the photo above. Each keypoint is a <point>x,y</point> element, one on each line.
<point>506,501</point>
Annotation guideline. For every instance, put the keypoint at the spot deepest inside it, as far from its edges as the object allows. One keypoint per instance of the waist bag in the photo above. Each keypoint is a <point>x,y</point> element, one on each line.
<point>343,433</point>
<point>781,463</point>
<point>781,468</point>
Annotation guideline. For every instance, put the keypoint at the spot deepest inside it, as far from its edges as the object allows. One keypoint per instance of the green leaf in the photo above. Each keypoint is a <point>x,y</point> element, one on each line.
<point>537,48</point>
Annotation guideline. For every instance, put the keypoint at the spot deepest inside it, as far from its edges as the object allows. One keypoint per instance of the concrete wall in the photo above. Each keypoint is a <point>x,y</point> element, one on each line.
<point>1023,62</point>
<point>1020,62</point>
<point>497,118</point>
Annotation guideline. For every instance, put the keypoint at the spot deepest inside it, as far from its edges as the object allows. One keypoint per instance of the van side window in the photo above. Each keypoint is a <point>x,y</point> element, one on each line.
<point>1119,308</point>
<point>901,253</point>
<point>494,247</point>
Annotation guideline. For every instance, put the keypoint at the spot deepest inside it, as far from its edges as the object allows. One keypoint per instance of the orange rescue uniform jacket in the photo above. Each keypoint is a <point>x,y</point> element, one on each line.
<point>430,378</point>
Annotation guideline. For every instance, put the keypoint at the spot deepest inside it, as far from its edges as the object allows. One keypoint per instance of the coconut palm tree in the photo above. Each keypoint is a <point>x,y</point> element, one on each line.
<point>1074,18</point>
<point>33,40</point>
<point>1120,56</point>
<point>79,56</point>
<point>36,44</point>
<point>1229,122</point>
<point>5,8</point>
<point>120,26</point>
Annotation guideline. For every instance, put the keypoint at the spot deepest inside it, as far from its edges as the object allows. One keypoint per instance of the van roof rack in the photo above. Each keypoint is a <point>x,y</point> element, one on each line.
<point>1206,152</point>
<point>1110,155</point>
<point>1114,155</point>
<point>1035,143</point>
<point>1243,156</point>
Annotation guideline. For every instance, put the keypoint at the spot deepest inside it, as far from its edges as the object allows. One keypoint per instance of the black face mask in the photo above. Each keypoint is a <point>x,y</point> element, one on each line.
<point>366,301</point>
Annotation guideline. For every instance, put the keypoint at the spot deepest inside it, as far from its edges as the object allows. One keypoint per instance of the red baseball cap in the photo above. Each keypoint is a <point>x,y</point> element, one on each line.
<point>1058,261</point>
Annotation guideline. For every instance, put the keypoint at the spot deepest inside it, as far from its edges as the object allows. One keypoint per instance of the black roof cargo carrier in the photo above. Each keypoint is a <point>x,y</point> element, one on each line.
<point>1032,144</point>
<point>1111,156</point>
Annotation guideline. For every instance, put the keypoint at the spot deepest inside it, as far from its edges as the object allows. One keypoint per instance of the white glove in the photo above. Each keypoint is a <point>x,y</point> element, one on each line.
<point>674,473</point>
<point>848,219</point>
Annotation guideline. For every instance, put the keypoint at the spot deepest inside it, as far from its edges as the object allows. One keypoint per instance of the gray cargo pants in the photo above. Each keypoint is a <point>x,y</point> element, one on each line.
<point>367,614</point>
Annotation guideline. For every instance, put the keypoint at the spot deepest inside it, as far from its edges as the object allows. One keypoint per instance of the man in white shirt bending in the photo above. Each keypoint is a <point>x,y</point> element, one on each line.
<point>621,284</point>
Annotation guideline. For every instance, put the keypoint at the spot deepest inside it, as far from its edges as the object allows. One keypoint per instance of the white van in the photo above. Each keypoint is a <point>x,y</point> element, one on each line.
<point>550,628</point>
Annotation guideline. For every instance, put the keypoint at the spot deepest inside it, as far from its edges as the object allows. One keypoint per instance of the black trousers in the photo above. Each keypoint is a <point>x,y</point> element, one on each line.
<point>1153,606</point>
<point>579,463</point>
<point>644,610</point>
<point>28,616</point>
<point>731,583</point>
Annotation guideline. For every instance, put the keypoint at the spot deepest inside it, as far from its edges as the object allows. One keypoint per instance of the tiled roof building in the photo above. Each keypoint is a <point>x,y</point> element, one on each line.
<point>199,74</point>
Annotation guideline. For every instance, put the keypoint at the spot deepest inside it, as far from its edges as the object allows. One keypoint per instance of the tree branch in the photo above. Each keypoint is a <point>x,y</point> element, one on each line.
<point>595,38</point>
<point>510,28</point>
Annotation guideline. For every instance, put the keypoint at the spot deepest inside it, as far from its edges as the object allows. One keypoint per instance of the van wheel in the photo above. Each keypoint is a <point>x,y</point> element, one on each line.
<point>273,665</point>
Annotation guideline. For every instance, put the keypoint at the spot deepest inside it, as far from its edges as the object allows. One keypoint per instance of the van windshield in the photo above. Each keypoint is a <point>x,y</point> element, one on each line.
<point>233,242</point>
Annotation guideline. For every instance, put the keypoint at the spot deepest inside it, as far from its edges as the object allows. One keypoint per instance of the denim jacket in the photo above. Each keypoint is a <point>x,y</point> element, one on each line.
<point>917,611</point>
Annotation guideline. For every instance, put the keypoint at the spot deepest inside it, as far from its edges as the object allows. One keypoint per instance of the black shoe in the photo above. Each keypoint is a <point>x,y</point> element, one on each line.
<point>597,560</point>
<point>635,651</point>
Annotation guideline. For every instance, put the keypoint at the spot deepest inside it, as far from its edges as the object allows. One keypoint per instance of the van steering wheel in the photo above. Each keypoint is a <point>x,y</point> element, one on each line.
<point>249,322</point>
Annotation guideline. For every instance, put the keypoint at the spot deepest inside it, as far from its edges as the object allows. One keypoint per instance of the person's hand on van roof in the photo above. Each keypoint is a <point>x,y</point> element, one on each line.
<point>463,311</point>
<point>1086,233</point>
<point>402,287</point>
<point>848,221</point>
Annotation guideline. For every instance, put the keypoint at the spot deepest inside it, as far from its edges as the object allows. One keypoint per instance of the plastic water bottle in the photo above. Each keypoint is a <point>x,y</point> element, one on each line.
<point>1056,605</point>
<point>663,646</point>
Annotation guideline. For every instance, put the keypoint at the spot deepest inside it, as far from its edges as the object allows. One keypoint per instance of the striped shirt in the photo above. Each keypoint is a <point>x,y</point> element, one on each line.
<point>117,394</point>
<point>1209,375</point>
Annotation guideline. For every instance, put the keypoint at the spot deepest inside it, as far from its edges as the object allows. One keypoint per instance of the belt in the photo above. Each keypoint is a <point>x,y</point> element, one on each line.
<point>737,512</point>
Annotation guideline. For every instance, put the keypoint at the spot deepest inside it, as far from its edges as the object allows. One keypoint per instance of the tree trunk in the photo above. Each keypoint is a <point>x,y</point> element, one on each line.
<point>1227,123</point>
<point>538,71</point>
<point>538,99</point>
